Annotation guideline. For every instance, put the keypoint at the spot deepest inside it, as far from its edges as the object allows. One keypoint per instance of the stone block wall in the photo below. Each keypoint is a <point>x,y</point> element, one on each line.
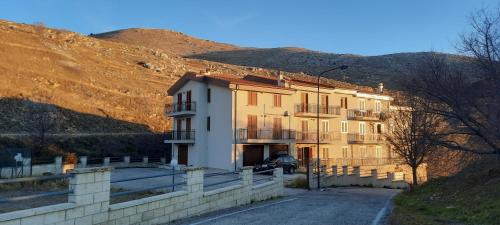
<point>388,177</point>
<point>88,202</point>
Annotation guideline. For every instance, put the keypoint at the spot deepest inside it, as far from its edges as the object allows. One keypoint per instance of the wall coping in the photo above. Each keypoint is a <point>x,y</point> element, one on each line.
<point>35,211</point>
<point>146,200</point>
<point>269,183</point>
<point>224,189</point>
<point>90,170</point>
<point>247,168</point>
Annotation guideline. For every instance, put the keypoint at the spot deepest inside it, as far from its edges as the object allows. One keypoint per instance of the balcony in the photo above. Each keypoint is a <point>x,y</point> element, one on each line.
<point>180,109</point>
<point>180,136</point>
<point>265,135</point>
<point>310,110</point>
<point>312,137</point>
<point>364,138</point>
<point>356,114</point>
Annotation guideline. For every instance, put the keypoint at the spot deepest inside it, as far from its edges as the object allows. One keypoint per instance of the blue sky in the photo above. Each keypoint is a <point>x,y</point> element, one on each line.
<point>366,27</point>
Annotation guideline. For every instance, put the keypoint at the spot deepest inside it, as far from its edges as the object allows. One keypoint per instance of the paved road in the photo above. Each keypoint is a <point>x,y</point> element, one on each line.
<point>338,206</point>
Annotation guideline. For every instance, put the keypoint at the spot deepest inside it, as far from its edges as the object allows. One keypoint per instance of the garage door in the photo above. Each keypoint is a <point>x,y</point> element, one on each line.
<point>253,155</point>
<point>275,149</point>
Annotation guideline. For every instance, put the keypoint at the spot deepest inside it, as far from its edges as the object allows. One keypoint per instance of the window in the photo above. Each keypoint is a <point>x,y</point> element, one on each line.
<point>344,152</point>
<point>324,153</point>
<point>378,151</point>
<point>209,95</point>
<point>343,102</point>
<point>364,153</point>
<point>277,100</point>
<point>252,98</point>
<point>277,129</point>
<point>325,126</point>
<point>379,128</point>
<point>378,106</point>
<point>343,127</point>
<point>252,126</point>
<point>362,128</point>
<point>208,123</point>
<point>362,105</point>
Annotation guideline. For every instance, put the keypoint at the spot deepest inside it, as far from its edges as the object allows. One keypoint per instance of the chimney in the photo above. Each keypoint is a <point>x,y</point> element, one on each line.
<point>281,80</point>
<point>381,87</point>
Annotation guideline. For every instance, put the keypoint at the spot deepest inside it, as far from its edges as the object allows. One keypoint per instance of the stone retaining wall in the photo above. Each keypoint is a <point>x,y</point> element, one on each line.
<point>389,176</point>
<point>88,203</point>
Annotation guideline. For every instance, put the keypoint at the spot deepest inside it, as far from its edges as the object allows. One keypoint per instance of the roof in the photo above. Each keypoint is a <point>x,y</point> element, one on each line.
<point>269,82</point>
<point>221,80</point>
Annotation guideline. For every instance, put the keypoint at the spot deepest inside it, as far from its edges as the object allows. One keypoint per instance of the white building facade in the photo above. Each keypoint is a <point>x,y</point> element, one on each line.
<point>229,122</point>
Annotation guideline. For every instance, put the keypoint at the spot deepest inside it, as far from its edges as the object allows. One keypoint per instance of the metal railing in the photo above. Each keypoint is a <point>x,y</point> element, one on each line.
<point>173,173</point>
<point>264,175</point>
<point>363,114</point>
<point>364,138</point>
<point>180,107</point>
<point>180,135</point>
<point>34,180</point>
<point>267,134</point>
<point>228,177</point>
<point>313,108</point>
<point>313,136</point>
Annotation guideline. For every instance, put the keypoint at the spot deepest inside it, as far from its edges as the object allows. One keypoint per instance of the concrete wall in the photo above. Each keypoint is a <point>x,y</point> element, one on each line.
<point>89,201</point>
<point>389,176</point>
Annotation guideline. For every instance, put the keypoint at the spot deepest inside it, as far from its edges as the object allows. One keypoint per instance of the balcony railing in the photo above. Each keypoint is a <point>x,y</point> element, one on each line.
<point>356,114</point>
<point>364,138</point>
<point>180,135</point>
<point>313,136</point>
<point>266,134</point>
<point>309,109</point>
<point>182,107</point>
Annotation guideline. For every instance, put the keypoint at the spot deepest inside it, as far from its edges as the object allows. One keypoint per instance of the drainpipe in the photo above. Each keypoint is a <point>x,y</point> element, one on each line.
<point>235,123</point>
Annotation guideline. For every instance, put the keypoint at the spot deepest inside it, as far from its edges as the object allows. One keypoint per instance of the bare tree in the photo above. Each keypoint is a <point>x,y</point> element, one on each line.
<point>41,120</point>
<point>412,131</point>
<point>469,102</point>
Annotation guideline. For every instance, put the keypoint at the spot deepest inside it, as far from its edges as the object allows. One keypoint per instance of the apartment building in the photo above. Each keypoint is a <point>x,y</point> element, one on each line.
<point>228,122</point>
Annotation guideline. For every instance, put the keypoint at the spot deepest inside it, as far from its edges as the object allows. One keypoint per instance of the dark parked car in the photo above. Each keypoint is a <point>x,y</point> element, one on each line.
<point>287,162</point>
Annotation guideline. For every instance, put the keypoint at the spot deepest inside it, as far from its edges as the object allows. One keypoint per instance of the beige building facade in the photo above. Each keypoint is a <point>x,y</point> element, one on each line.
<point>229,122</point>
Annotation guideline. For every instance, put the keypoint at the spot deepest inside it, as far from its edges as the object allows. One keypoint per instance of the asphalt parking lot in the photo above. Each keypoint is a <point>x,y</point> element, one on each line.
<point>339,206</point>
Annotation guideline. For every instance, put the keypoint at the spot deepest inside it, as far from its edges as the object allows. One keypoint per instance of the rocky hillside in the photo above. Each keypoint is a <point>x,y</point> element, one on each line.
<point>166,41</point>
<point>363,70</point>
<point>90,76</point>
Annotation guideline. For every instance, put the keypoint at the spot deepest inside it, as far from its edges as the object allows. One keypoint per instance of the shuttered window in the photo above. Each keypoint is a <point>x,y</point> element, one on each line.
<point>277,100</point>
<point>252,98</point>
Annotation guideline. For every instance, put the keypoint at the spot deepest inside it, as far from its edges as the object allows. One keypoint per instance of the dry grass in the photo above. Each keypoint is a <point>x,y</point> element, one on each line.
<point>299,182</point>
<point>470,197</point>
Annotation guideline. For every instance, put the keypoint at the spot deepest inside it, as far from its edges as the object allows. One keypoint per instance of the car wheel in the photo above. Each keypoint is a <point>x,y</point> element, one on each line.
<point>291,170</point>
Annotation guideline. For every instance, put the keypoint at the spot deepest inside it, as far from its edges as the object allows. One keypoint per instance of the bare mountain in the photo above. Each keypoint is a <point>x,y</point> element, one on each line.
<point>122,83</point>
<point>363,70</point>
<point>165,40</point>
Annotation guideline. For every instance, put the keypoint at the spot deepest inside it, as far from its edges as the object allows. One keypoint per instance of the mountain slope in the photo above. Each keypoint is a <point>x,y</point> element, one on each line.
<point>90,76</point>
<point>165,40</point>
<point>363,70</point>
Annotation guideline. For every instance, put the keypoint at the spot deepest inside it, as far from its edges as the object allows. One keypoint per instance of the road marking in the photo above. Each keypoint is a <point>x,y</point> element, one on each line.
<point>244,210</point>
<point>381,213</point>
